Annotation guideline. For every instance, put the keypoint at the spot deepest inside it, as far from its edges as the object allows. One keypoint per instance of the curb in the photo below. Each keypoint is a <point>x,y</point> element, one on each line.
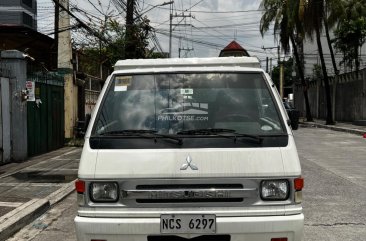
<point>334,128</point>
<point>15,220</point>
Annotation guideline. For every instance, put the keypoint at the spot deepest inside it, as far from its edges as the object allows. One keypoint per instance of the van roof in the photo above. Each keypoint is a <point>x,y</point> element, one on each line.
<point>251,62</point>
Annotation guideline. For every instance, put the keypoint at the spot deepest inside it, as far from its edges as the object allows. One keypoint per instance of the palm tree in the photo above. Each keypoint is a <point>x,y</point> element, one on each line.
<point>285,16</point>
<point>331,7</point>
<point>314,12</point>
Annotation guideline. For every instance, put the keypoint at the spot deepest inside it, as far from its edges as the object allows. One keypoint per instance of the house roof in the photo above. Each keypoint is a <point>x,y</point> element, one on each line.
<point>233,49</point>
<point>233,46</point>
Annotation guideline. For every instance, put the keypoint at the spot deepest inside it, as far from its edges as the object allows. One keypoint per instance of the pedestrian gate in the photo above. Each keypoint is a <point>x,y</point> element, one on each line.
<point>46,114</point>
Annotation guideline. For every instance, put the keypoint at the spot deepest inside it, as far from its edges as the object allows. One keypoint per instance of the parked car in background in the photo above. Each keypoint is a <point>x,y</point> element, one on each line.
<point>293,114</point>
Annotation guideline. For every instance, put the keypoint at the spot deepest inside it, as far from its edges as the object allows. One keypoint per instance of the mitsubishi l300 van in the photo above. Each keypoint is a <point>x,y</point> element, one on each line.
<point>189,149</point>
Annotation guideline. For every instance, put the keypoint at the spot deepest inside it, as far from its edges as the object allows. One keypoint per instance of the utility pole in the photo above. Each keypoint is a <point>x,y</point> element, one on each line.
<point>170,29</point>
<point>130,47</point>
<point>57,13</point>
<point>270,67</point>
<point>281,72</point>
<point>171,26</point>
<point>64,65</point>
<point>281,80</point>
<point>280,64</point>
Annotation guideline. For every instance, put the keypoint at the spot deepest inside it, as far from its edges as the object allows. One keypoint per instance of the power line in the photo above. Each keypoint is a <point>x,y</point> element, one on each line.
<point>193,40</point>
<point>202,11</point>
<point>82,24</point>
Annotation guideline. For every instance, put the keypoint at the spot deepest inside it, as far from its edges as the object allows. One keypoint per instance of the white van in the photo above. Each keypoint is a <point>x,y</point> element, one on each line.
<point>189,149</point>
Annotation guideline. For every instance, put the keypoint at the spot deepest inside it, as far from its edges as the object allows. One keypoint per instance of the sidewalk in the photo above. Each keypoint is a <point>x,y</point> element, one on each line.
<point>29,188</point>
<point>339,126</point>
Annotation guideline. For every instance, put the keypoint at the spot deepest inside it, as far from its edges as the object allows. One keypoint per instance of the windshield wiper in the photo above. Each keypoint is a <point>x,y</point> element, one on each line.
<point>207,131</point>
<point>221,133</point>
<point>235,136</point>
<point>127,132</point>
<point>141,133</point>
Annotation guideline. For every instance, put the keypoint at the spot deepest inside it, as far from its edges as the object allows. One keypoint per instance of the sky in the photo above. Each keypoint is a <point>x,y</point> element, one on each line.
<point>210,25</point>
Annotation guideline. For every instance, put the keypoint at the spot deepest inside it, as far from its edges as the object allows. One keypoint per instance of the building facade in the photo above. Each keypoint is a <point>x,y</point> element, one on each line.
<point>19,13</point>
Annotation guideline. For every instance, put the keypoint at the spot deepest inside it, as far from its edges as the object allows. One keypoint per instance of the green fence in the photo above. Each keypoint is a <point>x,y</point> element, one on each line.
<point>46,114</point>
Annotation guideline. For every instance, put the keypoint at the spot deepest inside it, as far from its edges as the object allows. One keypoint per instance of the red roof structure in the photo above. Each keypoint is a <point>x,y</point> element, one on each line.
<point>233,49</point>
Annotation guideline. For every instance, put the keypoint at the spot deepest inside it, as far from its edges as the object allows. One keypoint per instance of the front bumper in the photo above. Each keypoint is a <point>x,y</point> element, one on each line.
<point>239,228</point>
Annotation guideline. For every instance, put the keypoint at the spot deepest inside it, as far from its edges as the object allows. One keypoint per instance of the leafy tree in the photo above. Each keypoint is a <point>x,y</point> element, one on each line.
<point>99,52</point>
<point>286,16</point>
<point>351,32</point>
<point>288,67</point>
<point>137,39</point>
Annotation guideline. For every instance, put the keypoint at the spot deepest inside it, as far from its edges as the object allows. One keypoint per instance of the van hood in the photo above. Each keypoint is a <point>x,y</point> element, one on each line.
<point>158,163</point>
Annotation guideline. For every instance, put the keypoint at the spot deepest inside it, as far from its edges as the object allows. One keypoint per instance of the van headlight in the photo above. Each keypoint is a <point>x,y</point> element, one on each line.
<point>274,190</point>
<point>104,192</point>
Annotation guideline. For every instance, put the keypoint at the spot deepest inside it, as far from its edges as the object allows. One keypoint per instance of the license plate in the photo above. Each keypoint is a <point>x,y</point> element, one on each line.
<point>190,223</point>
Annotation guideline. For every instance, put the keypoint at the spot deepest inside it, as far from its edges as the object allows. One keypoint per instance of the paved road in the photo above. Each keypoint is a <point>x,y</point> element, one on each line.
<point>334,167</point>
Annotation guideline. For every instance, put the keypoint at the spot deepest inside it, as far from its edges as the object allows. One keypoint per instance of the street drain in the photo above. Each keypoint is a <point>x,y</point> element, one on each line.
<point>43,177</point>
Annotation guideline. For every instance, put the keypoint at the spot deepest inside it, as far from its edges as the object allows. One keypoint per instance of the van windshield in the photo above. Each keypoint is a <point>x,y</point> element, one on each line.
<point>167,103</point>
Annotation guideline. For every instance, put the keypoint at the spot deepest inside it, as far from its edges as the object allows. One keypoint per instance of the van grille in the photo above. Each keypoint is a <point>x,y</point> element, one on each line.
<point>188,186</point>
<point>197,200</point>
<point>188,193</point>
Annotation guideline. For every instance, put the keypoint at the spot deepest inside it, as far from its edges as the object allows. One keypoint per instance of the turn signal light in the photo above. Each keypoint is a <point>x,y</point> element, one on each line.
<point>80,186</point>
<point>299,183</point>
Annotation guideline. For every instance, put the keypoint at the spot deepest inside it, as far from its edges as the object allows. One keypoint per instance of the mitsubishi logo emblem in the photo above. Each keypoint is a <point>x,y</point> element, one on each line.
<point>188,164</point>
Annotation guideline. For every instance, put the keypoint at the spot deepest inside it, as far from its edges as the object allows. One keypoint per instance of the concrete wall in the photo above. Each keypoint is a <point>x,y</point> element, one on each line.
<point>348,92</point>
<point>14,61</point>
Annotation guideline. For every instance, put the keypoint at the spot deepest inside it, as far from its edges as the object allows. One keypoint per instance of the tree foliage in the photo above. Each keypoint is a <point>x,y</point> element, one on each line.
<point>351,32</point>
<point>97,52</point>
<point>288,67</point>
<point>287,18</point>
<point>137,39</point>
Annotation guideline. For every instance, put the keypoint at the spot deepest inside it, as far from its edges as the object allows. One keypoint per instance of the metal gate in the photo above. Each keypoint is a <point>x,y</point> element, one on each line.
<point>5,122</point>
<point>46,114</point>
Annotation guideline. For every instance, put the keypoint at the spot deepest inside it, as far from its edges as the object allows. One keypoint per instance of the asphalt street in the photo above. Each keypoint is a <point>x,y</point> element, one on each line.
<point>334,167</point>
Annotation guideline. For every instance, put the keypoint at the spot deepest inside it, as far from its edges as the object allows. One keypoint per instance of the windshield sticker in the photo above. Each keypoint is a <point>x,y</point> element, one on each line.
<point>122,82</point>
<point>186,91</point>
<point>185,112</point>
